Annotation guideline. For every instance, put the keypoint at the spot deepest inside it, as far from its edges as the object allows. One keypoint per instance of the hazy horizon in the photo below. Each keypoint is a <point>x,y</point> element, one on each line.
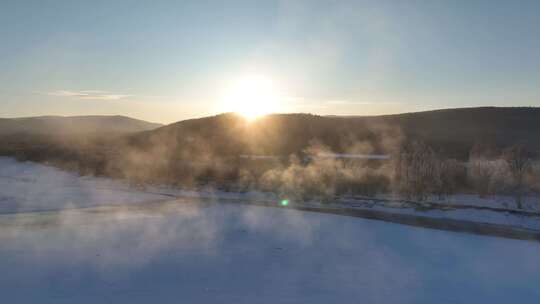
<point>276,113</point>
<point>171,61</point>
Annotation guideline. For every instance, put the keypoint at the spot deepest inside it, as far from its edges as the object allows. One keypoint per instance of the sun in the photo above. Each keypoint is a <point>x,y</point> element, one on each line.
<point>251,96</point>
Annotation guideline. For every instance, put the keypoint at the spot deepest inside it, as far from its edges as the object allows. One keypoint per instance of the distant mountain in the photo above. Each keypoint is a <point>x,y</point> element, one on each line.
<point>73,125</point>
<point>213,149</point>
<point>457,130</point>
<point>451,131</point>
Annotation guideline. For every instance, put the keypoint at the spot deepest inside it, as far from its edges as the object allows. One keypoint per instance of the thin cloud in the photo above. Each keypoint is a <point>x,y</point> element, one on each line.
<point>89,94</point>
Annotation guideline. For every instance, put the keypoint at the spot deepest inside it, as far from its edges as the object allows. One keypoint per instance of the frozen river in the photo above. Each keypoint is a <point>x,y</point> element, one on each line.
<point>237,254</point>
<point>182,252</point>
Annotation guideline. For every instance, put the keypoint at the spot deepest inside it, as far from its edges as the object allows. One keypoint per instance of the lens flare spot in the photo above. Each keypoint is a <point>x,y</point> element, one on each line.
<point>284,202</point>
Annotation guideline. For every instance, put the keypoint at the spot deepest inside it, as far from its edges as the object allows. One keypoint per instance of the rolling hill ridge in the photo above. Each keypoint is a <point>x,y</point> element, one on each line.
<point>73,125</point>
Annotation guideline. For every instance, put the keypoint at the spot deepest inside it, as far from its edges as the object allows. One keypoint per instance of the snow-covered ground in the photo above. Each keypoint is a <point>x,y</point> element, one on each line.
<point>26,186</point>
<point>184,252</point>
<point>497,201</point>
<point>529,220</point>
<point>530,203</point>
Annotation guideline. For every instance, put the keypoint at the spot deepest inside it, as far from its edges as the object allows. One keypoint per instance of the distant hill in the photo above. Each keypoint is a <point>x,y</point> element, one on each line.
<point>213,149</point>
<point>457,130</point>
<point>451,131</point>
<point>503,126</point>
<point>57,125</point>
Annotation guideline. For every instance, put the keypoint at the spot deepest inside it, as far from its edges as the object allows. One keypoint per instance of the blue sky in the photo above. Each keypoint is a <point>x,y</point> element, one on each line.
<point>170,60</point>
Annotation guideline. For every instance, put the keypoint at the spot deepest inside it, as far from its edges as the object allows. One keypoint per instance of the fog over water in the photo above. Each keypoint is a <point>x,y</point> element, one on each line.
<point>195,252</point>
<point>233,253</point>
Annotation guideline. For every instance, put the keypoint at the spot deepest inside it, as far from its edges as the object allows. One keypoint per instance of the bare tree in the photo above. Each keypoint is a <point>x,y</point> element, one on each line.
<point>484,168</point>
<point>481,173</point>
<point>519,161</point>
<point>445,176</point>
<point>415,170</point>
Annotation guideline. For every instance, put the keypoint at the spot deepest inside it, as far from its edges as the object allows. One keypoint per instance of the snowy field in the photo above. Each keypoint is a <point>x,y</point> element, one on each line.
<point>527,220</point>
<point>27,186</point>
<point>530,203</point>
<point>183,252</point>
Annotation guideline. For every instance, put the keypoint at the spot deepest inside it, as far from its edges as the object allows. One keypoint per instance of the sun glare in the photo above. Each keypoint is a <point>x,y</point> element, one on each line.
<point>252,97</point>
